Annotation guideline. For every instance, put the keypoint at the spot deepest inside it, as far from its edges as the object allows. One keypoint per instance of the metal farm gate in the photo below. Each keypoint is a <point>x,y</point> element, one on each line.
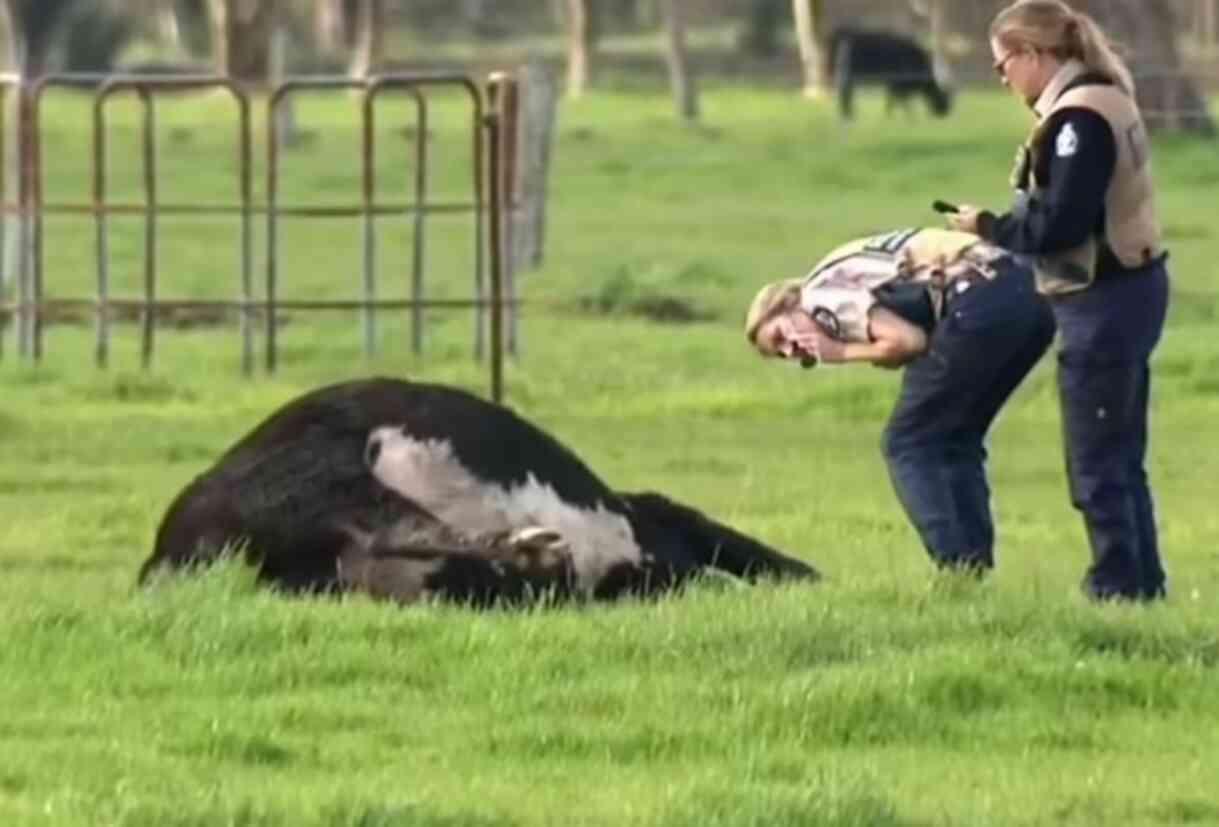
<point>493,125</point>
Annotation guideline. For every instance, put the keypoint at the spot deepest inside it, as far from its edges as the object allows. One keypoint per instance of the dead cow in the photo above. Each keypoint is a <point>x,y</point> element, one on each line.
<point>406,490</point>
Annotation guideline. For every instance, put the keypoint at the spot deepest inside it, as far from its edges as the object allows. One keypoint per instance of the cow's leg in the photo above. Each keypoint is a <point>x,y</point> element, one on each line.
<point>537,549</point>
<point>714,544</point>
<point>406,565</point>
<point>844,77</point>
<point>846,98</point>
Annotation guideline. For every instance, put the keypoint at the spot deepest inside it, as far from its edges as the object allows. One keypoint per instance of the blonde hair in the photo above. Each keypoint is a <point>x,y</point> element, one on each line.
<point>773,300</point>
<point>1053,26</point>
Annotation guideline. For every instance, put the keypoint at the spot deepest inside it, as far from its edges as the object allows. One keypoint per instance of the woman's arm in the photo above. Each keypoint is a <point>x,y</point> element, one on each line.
<point>895,342</point>
<point>1082,158</point>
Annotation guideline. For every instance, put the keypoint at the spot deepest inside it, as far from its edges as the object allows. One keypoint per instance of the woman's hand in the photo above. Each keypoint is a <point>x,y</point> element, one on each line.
<point>965,218</point>
<point>816,346</point>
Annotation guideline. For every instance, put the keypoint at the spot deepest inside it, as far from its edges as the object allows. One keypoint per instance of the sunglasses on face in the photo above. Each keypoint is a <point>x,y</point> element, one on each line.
<point>1000,65</point>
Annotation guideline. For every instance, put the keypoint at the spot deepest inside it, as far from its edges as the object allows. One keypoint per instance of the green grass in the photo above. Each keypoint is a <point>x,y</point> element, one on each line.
<point>883,696</point>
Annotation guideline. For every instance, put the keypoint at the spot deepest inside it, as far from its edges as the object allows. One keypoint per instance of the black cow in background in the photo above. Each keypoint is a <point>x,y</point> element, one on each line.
<point>905,69</point>
<point>405,490</point>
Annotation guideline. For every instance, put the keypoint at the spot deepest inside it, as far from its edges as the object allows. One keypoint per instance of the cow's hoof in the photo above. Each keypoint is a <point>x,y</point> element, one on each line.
<point>538,549</point>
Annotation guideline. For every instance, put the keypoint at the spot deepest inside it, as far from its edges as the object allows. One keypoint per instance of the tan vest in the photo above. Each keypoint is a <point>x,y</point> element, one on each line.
<point>1132,229</point>
<point>838,290</point>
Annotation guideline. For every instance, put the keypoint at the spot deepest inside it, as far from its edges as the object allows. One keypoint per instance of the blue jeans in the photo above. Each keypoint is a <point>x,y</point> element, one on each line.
<point>988,340</point>
<point>1108,334</point>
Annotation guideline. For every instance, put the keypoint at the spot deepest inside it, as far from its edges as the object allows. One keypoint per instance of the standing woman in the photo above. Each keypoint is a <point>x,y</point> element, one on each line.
<point>1085,216</point>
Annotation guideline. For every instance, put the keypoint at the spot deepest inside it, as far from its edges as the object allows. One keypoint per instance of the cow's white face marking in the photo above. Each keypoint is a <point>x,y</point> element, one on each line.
<point>428,473</point>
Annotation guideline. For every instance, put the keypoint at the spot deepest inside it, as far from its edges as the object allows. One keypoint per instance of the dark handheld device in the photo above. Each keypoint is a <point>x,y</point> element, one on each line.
<point>944,207</point>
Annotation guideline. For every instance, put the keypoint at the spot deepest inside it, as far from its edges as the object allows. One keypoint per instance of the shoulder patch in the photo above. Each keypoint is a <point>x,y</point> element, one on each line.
<point>1067,143</point>
<point>889,243</point>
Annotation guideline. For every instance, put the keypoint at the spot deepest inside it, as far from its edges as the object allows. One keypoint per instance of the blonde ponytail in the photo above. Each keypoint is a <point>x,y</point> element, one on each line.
<point>1053,26</point>
<point>1091,45</point>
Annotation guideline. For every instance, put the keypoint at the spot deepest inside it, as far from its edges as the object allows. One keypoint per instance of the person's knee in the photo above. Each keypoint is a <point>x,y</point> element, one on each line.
<point>888,444</point>
<point>898,442</point>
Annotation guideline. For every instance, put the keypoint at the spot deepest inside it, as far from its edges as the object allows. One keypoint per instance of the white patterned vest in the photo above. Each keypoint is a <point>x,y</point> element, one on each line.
<point>839,291</point>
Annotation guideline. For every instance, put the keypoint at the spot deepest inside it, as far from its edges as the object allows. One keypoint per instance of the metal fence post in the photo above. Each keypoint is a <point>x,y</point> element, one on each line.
<point>507,92</point>
<point>25,295</point>
<point>419,248</point>
<point>101,223</point>
<point>148,318</point>
<point>6,209</point>
<point>368,189</point>
<point>497,94</point>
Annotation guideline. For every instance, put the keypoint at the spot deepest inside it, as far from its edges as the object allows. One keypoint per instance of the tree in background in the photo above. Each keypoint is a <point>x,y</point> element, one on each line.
<point>1148,31</point>
<point>330,25</point>
<point>31,28</point>
<point>241,37</point>
<point>369,47</point>
<point>764,23</point>
<point>681,77</point>
<point>810,35</point>
<point>579,45</point>
<point>1168,97</point>
<point>931,12</point>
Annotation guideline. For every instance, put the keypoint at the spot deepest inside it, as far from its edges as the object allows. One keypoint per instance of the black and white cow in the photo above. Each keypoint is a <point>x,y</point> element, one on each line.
<point>405,490</point>
<point>859,57</point>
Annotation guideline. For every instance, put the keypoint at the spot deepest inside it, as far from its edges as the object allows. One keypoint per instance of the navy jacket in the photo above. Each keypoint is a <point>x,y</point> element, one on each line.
<point>1074,173</point>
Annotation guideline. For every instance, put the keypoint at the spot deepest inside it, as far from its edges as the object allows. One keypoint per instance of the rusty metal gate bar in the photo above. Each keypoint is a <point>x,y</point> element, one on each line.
<point>505,102</point>
<point>418,250</point>
<point>23,209</point>
<point>31,208</point>
<point>6,82</point>
<point>104,87</point>
<point>144,87</point>
<point>479,119</point>
<point>495,179</point>
<point>369,209</point>
<point>33,163</point>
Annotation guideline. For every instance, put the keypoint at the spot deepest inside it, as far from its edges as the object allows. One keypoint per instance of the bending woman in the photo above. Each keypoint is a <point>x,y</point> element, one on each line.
<point>963,318</point>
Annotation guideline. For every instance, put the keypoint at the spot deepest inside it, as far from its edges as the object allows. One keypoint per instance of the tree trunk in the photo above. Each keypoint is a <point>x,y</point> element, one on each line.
<point>534,144</point>
<point>31,26</point>
<point>370,39</point>
<point>1167,96</point>
<point>577,47</point>
<point>34,23</point>
<point>9,251</point>
<point>685,93</point>
<point>169,31</point>
<point>1210,32</point>
<point>218,23</point>
<point>935,15</point>
<point>241,37</point>
<point>935,22</point>
<point>329,25</point>
<point>12,44</point>
<point>810,24</point>
<point>285,109</point>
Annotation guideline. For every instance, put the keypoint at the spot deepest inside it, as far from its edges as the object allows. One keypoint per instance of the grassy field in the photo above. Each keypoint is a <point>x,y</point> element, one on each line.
<point>883,696</point>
